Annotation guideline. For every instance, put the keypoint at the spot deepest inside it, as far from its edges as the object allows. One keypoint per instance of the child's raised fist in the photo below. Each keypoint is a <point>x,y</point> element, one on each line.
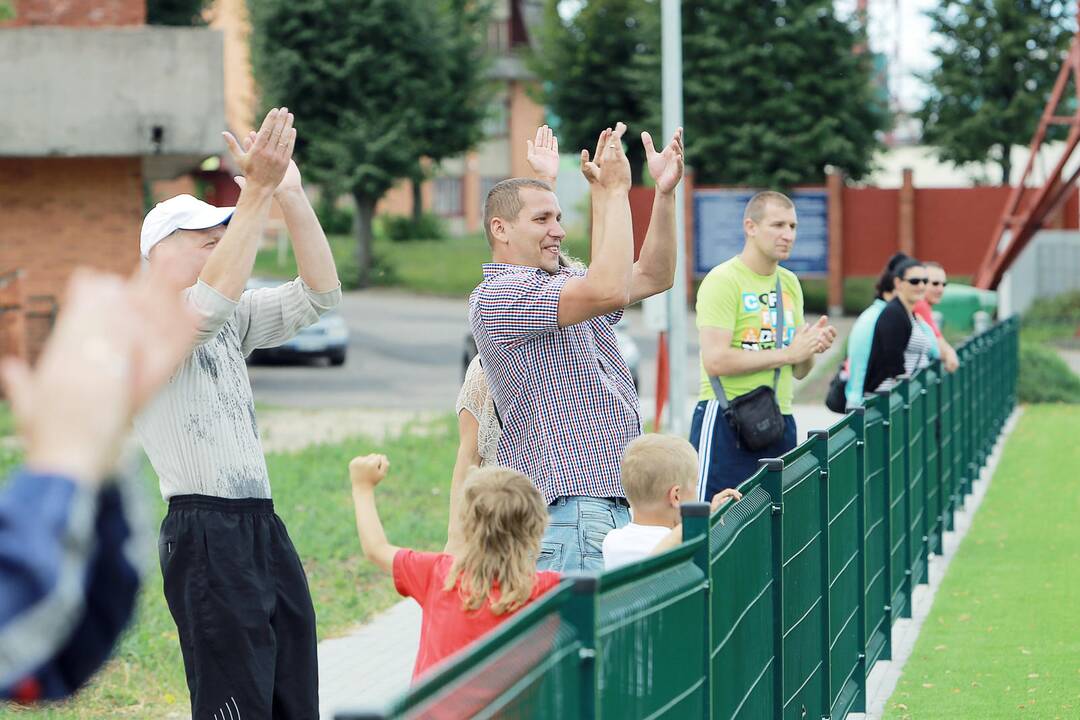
<point>368,469</point>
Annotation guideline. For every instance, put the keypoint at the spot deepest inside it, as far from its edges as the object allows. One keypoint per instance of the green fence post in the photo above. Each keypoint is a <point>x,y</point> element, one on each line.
<point>695,522</point>
<point>858,423</point>
<point>819,440</point>
<point>773,484</point>
<point>887,476</point>
<point>905,444</point>
<point>924,524</point>
<point>580,612</point>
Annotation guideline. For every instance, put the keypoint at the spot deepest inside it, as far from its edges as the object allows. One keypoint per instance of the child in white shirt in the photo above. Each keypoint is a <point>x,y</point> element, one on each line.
<point>658,473</point>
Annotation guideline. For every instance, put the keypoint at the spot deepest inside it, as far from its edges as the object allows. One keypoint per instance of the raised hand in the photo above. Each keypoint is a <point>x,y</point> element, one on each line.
<point>292,179</point>
<point>115,343</point>
<point>609,169</point>
<point>368,470</point>
<point>543,155</point>
<point>666,166</point>
<point>265,161</point>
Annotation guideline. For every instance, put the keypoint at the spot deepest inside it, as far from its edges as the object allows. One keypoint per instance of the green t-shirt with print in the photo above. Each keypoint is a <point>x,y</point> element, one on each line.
<point>734,297</point>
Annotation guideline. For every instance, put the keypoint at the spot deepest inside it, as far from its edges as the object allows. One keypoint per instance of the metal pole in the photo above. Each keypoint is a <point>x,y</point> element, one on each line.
<point>671,48</point>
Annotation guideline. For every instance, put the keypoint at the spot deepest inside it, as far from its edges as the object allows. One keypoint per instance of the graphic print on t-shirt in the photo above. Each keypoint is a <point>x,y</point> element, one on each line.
<point>764,307</point>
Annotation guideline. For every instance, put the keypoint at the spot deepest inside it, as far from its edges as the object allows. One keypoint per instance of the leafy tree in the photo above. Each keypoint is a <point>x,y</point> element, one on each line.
<point>600,66</point>
<point>998,60</point>
<point>774,91</point>
<point>457,98</point>
<point>175,12</point>
<point>357,74</point>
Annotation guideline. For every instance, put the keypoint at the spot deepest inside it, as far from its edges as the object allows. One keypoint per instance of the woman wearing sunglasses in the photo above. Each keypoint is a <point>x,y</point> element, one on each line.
<point>901,344</point>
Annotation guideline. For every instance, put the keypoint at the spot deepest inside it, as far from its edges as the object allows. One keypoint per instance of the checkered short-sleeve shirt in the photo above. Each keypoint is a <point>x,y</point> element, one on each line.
<point>565,395</point>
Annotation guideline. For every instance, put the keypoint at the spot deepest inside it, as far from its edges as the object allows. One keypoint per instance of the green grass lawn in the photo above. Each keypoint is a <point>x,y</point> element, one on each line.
<point>7,422</point>
<point>1003,637</point>
<point>145,679</point>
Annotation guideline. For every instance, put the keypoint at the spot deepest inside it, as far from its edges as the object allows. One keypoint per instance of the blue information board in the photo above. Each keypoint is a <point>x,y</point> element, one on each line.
<point>718,231</point>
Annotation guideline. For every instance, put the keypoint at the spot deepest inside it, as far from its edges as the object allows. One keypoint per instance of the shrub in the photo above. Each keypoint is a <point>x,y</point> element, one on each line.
<point>1044,377</point>
<point>402,228</point>
<point>1063,308</point>
<point>335,220</point>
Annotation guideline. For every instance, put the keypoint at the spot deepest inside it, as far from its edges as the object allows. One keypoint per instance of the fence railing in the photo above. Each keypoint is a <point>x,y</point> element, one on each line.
<point>777,606</point>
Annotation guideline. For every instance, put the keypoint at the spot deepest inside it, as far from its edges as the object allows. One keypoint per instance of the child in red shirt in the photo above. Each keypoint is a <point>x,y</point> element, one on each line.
<point>493,575</point>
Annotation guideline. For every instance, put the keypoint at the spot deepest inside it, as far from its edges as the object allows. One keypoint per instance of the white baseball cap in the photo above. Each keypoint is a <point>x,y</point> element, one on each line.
<point>182,212</point>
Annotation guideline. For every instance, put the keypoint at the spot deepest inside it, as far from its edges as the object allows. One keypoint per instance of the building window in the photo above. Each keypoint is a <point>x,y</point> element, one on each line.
<point>447,201</point>
<point>497,120</point>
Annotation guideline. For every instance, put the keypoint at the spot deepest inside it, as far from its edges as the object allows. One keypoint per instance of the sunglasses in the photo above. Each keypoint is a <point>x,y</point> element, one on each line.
<point>939,283</point>
<point>916,281</point>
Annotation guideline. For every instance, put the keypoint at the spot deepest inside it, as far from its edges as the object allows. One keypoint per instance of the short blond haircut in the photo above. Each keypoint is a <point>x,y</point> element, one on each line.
<point>503,519</point>
<point>504,201</point>
<point>653,463</point>
<point>755,208</point>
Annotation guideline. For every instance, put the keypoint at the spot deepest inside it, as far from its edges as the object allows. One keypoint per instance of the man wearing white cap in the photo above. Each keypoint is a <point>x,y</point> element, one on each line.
<point>232,579</point>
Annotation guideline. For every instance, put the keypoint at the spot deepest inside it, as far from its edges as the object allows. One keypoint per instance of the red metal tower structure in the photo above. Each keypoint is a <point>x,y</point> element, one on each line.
<point>1029,207</point>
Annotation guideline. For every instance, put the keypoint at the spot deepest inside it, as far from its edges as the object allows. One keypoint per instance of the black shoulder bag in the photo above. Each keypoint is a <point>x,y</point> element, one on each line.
<point>755,416</point>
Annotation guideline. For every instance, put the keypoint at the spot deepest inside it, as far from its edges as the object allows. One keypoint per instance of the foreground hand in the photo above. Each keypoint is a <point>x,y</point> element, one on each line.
<point>609,169</point>
<point>115,343</point>
<point>543,154</point>
<point>950,360</point>
<point>367,471</point>
<point>264,162</point>
<point>724,496</point>
<point>665,167</point>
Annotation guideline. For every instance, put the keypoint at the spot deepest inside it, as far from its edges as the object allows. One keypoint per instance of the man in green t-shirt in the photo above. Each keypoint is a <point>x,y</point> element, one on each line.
<point>737,320</point>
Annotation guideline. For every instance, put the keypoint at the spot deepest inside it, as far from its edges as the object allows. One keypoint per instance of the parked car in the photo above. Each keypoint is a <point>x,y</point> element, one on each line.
<point>627,347</point>
<point>327,338</point>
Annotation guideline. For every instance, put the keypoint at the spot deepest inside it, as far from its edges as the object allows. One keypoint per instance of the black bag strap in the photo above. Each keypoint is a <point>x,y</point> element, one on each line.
<point>718,388</point>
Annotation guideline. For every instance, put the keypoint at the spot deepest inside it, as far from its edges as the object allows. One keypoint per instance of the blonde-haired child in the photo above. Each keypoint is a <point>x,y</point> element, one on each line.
<point>492,573</point>
<point>659,472</point>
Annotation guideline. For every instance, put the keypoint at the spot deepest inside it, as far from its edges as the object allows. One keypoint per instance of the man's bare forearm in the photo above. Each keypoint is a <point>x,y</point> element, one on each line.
<point>229,266</point>
<point>802,369</point>
<point>314,260</point>
<point>727,362</point>
<point>613,261</point>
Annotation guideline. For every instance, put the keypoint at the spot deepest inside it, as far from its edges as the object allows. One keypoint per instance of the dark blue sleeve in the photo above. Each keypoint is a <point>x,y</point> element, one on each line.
<point>66,586</point>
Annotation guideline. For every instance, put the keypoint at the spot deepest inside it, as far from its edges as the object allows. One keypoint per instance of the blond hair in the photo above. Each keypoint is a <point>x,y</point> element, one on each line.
<point>503,520</point>
<point>504,201</point>
<point>755,208</point>
<point>653,463</point>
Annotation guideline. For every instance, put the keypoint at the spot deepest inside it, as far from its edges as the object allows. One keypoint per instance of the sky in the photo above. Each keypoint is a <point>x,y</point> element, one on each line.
<point>900,30</point>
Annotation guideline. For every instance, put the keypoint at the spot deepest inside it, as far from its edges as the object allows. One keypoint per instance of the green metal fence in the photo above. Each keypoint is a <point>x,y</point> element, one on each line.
<point>777,606</point>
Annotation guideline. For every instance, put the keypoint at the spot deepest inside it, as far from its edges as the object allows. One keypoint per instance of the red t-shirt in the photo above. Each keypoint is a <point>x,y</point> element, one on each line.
<point>922,309</point>
<point>446,626</point>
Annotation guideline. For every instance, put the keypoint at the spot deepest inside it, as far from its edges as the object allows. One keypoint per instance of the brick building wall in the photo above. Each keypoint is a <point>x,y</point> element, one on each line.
<point>78,13</point>
<point>64,212</point>
<point>60,213</point>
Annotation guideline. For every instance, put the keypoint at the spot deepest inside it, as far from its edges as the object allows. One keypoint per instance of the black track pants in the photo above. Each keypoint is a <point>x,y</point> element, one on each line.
<point>240,599</point>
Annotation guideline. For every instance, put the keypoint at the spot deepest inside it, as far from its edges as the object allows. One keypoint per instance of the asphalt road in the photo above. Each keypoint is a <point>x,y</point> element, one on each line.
<point>405,353</point>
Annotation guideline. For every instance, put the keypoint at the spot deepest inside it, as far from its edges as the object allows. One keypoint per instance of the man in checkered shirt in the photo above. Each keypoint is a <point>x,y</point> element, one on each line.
<point>564,395</point>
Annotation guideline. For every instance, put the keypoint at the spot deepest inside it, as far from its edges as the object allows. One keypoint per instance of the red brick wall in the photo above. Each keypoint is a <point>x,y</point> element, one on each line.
<point>953,226</point>
<point>60,213</point>
<point>78,13</point>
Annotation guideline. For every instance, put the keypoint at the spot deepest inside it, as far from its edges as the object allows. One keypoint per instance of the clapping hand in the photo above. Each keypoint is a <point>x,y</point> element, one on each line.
<point>264,161</point>
<point>609,168</point>
<point>666,166</point>
<point>291,180</point>
<point>115,343</point>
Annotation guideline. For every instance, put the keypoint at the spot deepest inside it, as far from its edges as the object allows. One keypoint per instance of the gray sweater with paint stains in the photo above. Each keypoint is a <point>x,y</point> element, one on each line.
<point>200,432</point>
